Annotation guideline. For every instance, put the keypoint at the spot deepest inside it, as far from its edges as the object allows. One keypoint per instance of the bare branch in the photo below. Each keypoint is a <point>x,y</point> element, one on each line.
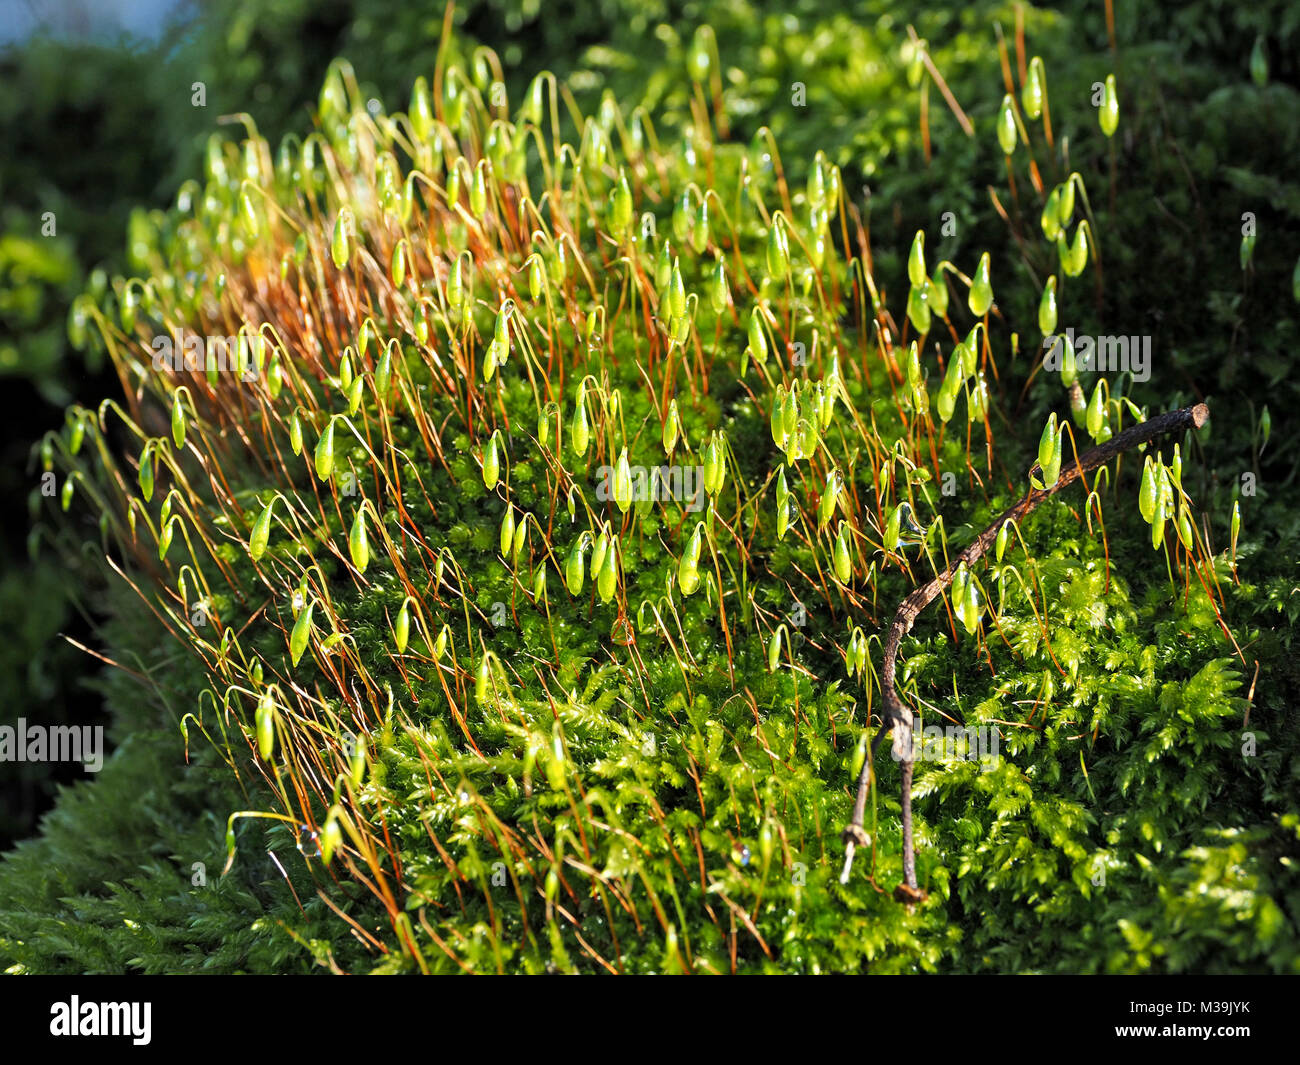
<point>899,716</point>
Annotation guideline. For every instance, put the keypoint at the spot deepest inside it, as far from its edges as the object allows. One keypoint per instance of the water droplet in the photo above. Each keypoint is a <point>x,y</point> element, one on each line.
<point>308,841</point>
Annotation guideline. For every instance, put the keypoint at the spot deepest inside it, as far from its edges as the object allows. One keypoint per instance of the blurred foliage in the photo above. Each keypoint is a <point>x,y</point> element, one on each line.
<point>38,278</point>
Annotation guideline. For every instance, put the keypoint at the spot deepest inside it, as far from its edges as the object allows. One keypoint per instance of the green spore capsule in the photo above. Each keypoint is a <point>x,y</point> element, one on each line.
<point>178,422</point>
<point>1259,62</point>
<point>1065,202</point>
<point>358,545</point>
<point>1047,308</point>
<point>913,365</point>
<point>816,189</point>
<point>384,373</point>
<point>1049,452</point>
<point>936,293</point>
<point>946,401</point>
<point>555,765</point>
<point>893,528</point>
<point>969,351</point>
<point>355,394</point>
<point>579,430</point>
<point>248,212</point>
<point>301,634</point>
<point>916,261</point>
<point>264,723</point>
<point>757,337</point>
<point>1148,491</point>
<point>1007,133</point>
<point>790,411</point>
<point>1094,413</point>
<point>700,227</point>
<point>720,290</point>
<point>778,251</point>
<point>782,505</point>
<point>776,420</point>
<point>981,291</point>
<point>478,194</point>
<point>261,534</point>
<point>607,577</point>
<point>146,474</point>
<point>623,482</point>
<point>688,574</point>
<point>507,531</point>
<point>127,308</point>
<point>397,265</point>
<point>574,566</point>
<point>972,608</point>
<point>1074,257</point>
<point>536,277</point>
<point>1031,96</point>
<point>402,629</point>
<point>455,287</point>
<point>699,59</point>
<point>859,755</point>
<point>957,592</point>
<point>663,267</point>
<point>1108,113</point>
<point>977,399</point>
<point>420,111</point>
<point>1050,219</point>
<point>164,540</point>
<point>491,463</point>
<point>714,469</point>
<point>340,247</point>
<point>830,495</point>
<point>331,837</point>
<point>672,427</point>
<point>676,292</point>
<point>682,221</point>
<point>842,559</point>
<point>324,455</point>
<point>1046,442</point>
<point>918,309</point>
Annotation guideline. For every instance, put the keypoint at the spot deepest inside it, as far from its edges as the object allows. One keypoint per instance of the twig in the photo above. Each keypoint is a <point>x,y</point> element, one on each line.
<point>898,716</point>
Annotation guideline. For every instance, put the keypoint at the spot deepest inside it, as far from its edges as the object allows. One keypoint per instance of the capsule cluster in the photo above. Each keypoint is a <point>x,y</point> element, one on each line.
<point>442,644</point>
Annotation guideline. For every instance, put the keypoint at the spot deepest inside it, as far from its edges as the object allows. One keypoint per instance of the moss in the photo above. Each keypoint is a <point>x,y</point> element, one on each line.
<point>614,779</point>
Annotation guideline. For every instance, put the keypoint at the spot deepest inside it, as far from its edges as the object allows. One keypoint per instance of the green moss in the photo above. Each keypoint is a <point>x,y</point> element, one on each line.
<point>582,802</point>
